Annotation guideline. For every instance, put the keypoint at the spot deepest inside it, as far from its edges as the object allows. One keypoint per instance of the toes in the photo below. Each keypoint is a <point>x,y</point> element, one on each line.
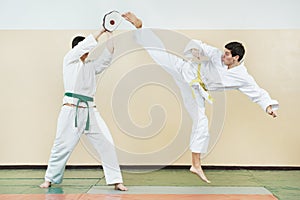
<point>120,187</point>
<point>200,174</point>
<point>45,185</point>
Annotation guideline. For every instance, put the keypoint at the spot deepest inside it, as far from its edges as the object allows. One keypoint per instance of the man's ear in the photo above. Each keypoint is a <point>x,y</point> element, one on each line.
<point>236,58</point>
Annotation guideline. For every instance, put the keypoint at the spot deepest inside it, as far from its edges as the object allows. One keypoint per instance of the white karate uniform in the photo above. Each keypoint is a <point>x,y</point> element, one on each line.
<point>214,74</point>
<point>80,78</point>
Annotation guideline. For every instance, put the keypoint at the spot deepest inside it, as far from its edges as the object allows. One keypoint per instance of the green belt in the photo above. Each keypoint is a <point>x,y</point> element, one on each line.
<point>84,99</point>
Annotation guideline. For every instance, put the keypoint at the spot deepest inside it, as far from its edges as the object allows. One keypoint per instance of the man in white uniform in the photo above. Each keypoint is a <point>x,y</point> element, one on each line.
<point>79,115</point>
<point>223,71</point>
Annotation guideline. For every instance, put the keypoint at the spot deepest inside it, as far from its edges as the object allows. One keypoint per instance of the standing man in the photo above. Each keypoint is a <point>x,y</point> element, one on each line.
<point>223,71</point>
<point>79,115</point>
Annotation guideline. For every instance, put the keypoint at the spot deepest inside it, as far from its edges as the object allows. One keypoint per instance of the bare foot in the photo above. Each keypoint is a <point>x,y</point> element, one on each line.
<point>133,19</point>
<point>120,186</point>
<point>200,173</point>
<point>46,184</point>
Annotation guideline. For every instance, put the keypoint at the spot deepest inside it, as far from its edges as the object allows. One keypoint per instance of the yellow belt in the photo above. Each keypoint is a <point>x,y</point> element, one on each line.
<point>199,80</point>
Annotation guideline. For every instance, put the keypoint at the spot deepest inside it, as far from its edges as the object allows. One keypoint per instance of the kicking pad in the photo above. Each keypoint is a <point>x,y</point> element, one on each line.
<point>112,20</point>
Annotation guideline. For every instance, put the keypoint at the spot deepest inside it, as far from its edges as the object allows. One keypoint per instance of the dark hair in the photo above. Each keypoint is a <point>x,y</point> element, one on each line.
<point>236,48</point>
<point>76,40</point>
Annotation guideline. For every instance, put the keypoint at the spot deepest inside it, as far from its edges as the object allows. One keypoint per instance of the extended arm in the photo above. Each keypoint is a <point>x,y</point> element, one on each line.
<point>106,56</point>
<point>83,47</point>
<point>260,96</point>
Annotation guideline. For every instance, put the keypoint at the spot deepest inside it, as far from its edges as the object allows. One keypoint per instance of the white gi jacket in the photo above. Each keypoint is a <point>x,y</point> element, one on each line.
<point>216,76</point>
<point>79,77</point>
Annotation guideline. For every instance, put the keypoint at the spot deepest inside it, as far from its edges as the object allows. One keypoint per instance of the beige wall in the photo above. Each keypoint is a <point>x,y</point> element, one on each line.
<point>32,90</point>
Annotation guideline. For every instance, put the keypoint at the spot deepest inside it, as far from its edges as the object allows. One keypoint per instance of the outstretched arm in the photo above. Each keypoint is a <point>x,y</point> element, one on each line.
<point>97,34</point>
<point>83,47</point>
<point>104,60</point>
<point>109,40</point>
<point>259,96</point>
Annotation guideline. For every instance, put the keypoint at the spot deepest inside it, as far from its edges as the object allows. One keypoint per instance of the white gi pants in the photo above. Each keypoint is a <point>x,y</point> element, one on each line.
<point>67,137</point>
<point>175,66</point>
<point>199,140</point>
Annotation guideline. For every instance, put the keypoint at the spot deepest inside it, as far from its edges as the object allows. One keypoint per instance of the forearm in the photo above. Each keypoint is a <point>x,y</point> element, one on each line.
<point>103,61</point>
<point>260,96</point>
<point>97,34</point>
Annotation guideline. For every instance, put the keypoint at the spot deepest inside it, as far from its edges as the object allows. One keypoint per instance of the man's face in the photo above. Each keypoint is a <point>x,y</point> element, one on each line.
<point>227,58</point>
